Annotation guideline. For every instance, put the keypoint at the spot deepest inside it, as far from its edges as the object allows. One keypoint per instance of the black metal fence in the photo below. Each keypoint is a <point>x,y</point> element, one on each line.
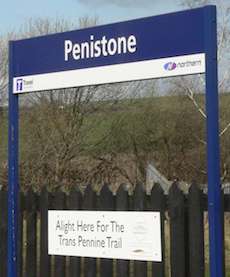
<point>183,225</point>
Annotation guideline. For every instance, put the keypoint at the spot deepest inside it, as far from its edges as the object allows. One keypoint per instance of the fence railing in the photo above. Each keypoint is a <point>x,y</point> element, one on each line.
<point>183,225</point>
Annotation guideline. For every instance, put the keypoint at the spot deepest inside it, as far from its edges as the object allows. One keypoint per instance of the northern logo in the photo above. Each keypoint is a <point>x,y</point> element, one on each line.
<point>170,66</point>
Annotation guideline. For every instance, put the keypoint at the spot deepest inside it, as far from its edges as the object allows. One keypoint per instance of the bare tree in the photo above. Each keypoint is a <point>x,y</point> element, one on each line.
<point>55,126</point>
<point>193,87</point>
<point>4,68</point>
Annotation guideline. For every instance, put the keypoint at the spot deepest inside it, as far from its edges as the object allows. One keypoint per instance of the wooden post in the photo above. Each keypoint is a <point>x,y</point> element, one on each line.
<point>106,203</point>
<point>196,232</point>
<point>177,213</point>
<point>59,261</point>
<point>89,203</point>
<point>122,204</point>
<point>139,199</point>
<point>157,204</point>
<point>31,234</point>
<point>73,202</point>
<point>45,266</point>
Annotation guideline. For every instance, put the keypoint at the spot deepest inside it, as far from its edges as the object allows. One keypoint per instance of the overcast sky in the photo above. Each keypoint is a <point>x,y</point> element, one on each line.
<point>14,13</point>
<point>121,3</point>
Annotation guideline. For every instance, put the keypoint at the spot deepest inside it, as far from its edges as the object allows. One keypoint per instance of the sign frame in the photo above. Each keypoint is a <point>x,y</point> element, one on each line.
<point>213,153</point>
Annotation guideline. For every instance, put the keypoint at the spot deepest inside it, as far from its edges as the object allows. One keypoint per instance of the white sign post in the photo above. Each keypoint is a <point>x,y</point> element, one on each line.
<point>116,235</point>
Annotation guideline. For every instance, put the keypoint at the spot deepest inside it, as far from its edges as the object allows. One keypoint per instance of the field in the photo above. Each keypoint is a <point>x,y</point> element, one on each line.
<point>170,131</point>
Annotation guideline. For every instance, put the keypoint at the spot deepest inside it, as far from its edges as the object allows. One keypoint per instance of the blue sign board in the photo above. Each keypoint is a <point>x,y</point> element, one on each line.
<point>137,40</point>
<point>143,48</point>
<point>161,46</point>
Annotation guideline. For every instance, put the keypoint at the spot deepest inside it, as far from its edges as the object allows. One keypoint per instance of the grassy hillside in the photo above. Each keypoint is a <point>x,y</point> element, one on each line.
<point>167,130</point>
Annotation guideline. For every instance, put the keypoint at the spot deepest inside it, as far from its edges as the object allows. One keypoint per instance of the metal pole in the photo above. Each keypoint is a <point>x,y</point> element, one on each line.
<point>13,185</point>
<point>213,149</point>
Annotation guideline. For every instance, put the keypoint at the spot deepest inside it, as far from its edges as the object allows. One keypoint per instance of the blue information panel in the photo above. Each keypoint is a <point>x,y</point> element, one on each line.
<point>161,46</point>
<point>153,47</point>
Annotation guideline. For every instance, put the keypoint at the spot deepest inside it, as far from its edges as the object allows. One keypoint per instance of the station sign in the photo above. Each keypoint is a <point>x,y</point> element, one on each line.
<point>132,50</point>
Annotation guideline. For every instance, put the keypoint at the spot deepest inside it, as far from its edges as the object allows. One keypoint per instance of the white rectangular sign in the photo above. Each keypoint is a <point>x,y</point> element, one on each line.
<point>159,68</point>
<point>104,234</point>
